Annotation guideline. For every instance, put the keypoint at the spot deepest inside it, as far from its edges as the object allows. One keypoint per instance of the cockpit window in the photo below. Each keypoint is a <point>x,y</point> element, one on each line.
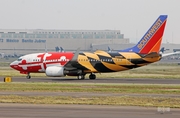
<point>19,59</point>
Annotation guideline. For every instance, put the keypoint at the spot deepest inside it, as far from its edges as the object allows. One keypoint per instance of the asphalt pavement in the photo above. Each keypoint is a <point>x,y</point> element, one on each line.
<point>84,111</point>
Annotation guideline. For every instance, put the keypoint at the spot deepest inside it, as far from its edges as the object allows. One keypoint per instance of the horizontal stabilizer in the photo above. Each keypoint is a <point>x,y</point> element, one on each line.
<point>168,54</point>
<point>151,55</point>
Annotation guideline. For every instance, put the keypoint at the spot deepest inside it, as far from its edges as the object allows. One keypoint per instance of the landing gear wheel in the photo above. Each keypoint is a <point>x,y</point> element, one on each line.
<point>28,76</point>
<point>81,77</point>
<point>92,76</point>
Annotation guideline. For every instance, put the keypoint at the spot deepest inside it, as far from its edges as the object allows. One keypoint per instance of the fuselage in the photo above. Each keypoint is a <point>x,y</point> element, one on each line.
<point>88,62</point>
<point>38,62</point>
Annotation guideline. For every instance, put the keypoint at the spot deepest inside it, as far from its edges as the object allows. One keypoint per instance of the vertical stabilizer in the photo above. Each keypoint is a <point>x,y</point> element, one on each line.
<point>152,39</point>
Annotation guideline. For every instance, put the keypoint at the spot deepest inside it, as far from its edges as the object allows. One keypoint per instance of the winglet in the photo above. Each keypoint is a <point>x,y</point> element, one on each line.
<point>69,64</point>
<point>76,55</point>
<point>152,39</point>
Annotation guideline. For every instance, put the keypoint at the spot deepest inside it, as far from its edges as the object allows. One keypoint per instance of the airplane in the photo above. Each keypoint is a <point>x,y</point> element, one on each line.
<point>60,64</point>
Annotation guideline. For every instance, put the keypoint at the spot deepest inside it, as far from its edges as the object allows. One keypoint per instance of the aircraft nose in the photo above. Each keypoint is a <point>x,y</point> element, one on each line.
<point>14,64</point>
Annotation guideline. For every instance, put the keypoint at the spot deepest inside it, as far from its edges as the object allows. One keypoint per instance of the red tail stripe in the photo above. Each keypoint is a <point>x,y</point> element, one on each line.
<point>157,36</point>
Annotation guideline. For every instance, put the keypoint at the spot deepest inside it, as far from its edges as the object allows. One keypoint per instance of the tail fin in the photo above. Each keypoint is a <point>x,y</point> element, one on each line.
<point>162,50</point>
<point>109,49</point>
<point>62,50</point>
<point>57,49</point>
<point>151,41</point>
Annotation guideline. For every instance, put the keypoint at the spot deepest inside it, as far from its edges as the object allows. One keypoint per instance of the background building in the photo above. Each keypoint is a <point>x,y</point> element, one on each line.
<point>19,42</point>
<point>29,41</point>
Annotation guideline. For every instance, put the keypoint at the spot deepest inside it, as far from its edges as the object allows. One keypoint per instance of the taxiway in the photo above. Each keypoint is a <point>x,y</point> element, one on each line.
<point>83,111</point>
<point>98,80</point>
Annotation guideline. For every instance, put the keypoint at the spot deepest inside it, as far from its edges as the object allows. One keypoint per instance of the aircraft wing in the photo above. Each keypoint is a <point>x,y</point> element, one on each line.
<point>70,65</point>
<point>168,54</point>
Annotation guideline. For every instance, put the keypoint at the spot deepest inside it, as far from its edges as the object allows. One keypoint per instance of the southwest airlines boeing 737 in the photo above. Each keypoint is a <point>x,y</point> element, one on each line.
<point>60,64</point>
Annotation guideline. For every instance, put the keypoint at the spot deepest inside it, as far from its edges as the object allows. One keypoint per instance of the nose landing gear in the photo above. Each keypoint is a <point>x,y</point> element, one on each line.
<point>28,76</point>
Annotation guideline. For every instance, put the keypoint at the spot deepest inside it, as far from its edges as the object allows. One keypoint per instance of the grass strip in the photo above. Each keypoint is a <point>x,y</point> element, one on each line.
<point>124,100</point>
<point>91,87</point>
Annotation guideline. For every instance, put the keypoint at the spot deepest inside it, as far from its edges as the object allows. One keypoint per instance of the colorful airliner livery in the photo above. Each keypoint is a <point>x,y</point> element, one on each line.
<point>151,41</point>
<point>59,64</point>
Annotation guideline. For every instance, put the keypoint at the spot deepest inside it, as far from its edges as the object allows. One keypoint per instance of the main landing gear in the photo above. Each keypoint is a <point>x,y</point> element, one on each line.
<point>91,76</point>
<point>28,76</point>
<point>81,77</point>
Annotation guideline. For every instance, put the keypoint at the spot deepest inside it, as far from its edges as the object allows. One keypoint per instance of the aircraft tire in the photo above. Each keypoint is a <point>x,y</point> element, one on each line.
<point>92,76</point>
<point>81,77</point>
<point>28,77</point>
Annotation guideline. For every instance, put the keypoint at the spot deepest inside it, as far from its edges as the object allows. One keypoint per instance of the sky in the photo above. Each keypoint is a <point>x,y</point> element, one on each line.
<point>132,17</point>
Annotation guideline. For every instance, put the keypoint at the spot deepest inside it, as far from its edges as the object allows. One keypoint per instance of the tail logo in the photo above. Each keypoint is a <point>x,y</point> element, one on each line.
<point>150,33</point>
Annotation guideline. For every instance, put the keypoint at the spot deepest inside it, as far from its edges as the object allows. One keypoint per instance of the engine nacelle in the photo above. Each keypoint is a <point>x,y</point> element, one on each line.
<point>55,71</point>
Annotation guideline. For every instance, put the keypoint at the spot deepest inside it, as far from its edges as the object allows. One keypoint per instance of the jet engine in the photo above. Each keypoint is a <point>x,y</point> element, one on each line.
<point>55,71</point>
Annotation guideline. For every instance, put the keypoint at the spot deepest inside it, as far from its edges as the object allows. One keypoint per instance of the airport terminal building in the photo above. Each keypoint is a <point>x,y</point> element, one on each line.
<point>20,42</point>
<point>37,40</point>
